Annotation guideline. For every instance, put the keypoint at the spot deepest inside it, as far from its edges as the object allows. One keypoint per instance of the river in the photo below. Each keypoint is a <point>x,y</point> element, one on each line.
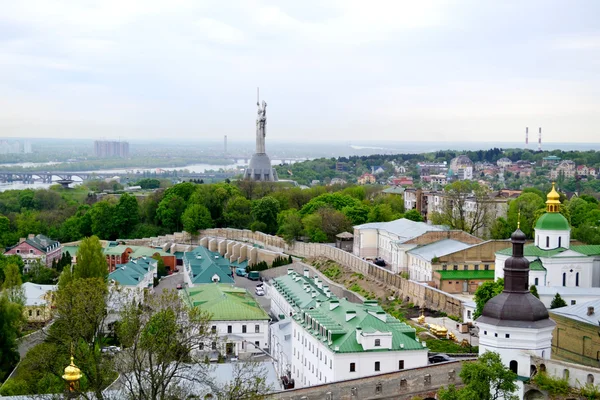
<point>198,168</point>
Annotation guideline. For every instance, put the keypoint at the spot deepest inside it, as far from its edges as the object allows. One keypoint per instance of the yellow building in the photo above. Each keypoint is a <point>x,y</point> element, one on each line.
<point>38,302</point>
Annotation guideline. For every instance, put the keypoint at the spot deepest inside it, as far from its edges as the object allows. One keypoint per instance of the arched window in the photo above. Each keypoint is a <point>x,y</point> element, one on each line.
<point>559,241</point>
<point>577,279</point>
<point>537,281</point>
<point>514,366</point>
<point>590,378</point>
<point>532,371</point>
<point>565,374</point>
<point>564,279</point>
<point>547,241</point>
<point>542,367</point>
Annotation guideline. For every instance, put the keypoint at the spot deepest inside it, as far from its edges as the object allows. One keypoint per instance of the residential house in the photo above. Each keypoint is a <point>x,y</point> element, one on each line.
<point>366,179</point>
<point>585,171</point>
<point>334,339</point>
<point>461,168</point>
<point>36,248</point>
<point>38,302</point>
<point>504,162</point>
<point>394,190</point>
<point>376,170</point>
<point>337,181</point>
<point>236,317</point>
<point>131,281</point>
<point>402,181</point>
<point>550,160</point>
<point>565,169</point>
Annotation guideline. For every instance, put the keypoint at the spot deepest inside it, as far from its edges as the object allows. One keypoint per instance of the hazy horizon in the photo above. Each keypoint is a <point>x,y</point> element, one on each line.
<point>337,70</point>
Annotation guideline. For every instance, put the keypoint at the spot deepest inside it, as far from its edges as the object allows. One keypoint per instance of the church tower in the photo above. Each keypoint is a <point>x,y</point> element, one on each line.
<point>552,229</point>
<point>515,323</point>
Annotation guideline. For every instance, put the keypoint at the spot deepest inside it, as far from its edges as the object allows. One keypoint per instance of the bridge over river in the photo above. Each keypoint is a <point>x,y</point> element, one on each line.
<point>68,176</point>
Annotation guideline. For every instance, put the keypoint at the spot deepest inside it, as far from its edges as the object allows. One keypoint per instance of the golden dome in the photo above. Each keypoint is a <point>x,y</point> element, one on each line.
<point>553,201</point>
<point>72,373</point>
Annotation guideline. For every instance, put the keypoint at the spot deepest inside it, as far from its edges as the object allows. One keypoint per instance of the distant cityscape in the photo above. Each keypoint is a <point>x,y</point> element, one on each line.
<point>105,148</point>
<point>15,147</point>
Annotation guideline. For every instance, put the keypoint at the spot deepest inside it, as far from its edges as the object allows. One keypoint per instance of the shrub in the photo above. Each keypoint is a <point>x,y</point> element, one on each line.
<point>554,386</point>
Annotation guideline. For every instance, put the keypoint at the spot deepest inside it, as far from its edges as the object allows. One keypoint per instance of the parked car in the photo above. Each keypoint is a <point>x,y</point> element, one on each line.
<point>179,286</point>
<point>111,349</point>
<point>240,271</point>
<point>254,275</point>
<point>438,358</point>
<point>259,291</point>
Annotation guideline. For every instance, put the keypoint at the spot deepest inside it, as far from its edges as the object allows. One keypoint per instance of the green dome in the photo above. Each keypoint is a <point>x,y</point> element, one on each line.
<point>552,222</point>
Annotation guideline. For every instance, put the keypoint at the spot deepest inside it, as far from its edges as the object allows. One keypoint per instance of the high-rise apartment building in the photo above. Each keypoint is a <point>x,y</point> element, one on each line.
<point>105,148</point>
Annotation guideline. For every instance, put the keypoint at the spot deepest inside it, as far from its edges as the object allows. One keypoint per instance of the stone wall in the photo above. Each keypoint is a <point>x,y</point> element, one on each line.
<point>423,382</point>
<point>435,236</point>
<point>415,292</point>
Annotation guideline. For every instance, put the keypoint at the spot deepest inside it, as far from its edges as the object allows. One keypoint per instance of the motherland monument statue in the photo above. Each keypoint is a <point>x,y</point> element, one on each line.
<point>260,168</point>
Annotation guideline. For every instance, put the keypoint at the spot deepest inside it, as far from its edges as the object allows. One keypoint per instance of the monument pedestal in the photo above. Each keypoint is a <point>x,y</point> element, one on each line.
<point>260,169</point>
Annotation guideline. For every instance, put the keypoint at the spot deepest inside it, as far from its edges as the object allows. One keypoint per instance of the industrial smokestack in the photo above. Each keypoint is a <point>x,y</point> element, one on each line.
<point>225,145</point>
<point>526,136</point>
<point>540,140</point>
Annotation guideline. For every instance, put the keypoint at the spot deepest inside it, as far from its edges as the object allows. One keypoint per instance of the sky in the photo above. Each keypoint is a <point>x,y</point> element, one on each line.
<point>329,70</point>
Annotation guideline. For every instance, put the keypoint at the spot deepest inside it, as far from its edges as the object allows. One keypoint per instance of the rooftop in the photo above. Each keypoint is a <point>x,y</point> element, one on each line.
<point>404,228</point>
<point>133,272</point>
<point>225,302</point>
<point>531,250</point>
<point>205,264</point>
<point>579,312</point>
<point>438,249</point>
<point>339,323</point>
<point>34,293</point>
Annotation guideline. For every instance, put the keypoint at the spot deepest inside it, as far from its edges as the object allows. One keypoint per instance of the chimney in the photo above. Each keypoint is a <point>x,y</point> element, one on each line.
<point>21,240</point>
<point>359,335</point>
<point>350,314</point>
<point>30,236</point>
<point>333,304</point>
<point>314,294</point>
<point>590,311</point>
<point>290,271</point>
<point>306,273</point>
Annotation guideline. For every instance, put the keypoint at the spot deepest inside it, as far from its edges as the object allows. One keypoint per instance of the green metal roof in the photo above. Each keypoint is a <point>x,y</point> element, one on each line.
<point>552,221</point>
<point>205,264</point>
<point>469,274</point>
<point>536,265</point>
<point>369,317</point>
<point>588,249</point>
<point>143,251</point>
<point>225,302</point>
<point>115,250</point>
<point>532,250</point>
<point>131,273</point>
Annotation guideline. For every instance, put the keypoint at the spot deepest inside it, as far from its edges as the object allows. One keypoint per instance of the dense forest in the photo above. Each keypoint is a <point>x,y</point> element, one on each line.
<point>72,214</point>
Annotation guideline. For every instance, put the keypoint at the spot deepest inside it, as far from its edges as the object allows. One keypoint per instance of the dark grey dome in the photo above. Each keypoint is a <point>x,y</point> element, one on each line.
<point>515,307</point>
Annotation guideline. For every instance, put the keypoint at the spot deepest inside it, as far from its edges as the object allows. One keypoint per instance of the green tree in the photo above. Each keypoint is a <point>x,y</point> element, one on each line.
<point>357,214</point>
<point>466,206</point>
<point>265,210</point>
<point>161,269</point>
<point>485,292</point>
<point>527,204</point>
<point>485,379</point>
<point>103,222</point>
<point>91,262</point>
<point>237,212</point>
<point>40,274</point>
<point>500,229</point>
<point>4,231</point>
<point>413,215</point>
<point>381,213</point>
<point>290,225</point>
<point>10,323</point>
<point>169,212</point>
<point>557,302</point>
<point>12,284</point>
<point>126,216</point>
<point>148,183</point>
<point>195,218</point>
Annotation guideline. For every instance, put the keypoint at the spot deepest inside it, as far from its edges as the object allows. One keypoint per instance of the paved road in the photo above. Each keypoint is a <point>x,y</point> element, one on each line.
<point>250,286</point>
<point>169,282</point>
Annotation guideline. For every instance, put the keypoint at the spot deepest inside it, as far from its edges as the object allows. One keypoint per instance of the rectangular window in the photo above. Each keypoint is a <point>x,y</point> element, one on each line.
<point>214,329</point>
<point>476,267</point>
<point>213,345</point>
<point>377,366</point>
<point>486,267</point>
<point>244,330</point>
<point>256,328</point>
<point>573,302</point>
<point>455,267</point>
<point>201,346</point>
<point>352,367</point>
<point>401,364</point>
<point>377,342</point>
<point>507,335</point>
<point>257,344</point>
<point>229,329</point>
<point>18,251</point>
<point>444,267</point>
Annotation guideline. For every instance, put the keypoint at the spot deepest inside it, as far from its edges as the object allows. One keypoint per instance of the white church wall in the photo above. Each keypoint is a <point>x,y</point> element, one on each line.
<point>549,239</point>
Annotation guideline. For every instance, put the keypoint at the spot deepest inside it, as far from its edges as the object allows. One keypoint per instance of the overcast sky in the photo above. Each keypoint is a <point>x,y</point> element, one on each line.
<point>329,70</point>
